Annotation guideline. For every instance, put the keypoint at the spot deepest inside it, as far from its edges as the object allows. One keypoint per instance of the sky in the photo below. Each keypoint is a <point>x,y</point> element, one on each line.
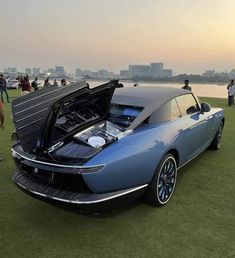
<point>186,35</point>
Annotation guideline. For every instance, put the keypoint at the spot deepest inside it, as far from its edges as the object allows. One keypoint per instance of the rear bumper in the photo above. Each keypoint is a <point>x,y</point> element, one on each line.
<point>44,190</point>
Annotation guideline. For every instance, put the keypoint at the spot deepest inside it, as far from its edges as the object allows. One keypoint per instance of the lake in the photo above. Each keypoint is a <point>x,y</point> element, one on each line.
<point>201,90</point>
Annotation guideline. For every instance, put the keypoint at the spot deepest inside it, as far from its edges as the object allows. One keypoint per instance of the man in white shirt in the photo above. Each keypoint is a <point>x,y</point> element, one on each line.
<point>231,92</point>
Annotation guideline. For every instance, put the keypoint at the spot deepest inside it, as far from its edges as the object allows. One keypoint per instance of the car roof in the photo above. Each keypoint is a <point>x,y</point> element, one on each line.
<point>150,98</point>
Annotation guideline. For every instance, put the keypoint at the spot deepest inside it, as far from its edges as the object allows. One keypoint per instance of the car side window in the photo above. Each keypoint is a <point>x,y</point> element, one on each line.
<point>166,112</point>
<point>175,112</point>
<point>187,104</point>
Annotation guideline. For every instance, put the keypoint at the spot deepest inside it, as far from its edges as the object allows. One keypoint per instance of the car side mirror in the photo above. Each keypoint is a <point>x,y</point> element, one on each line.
<point>205,107</point>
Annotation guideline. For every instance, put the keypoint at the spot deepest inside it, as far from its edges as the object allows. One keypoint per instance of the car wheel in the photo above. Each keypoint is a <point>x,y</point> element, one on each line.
<point>216,143</point>
<point>163,183</point>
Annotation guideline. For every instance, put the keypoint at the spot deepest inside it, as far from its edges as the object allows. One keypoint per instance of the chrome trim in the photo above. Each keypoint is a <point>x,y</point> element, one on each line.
<point>31,115</point>
<point>45,94</point>
<point>53,164</point>
<point>84,202</point>
<point>34,122</point>
<point>57,97</point>
<point>56,146</point>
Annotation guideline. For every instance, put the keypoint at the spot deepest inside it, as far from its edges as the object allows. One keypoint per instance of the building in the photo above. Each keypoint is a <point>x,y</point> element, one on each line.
<point>105,74</point>
<point>139,70</point>
<point>166,73</point>
<point>78,72</point>
<point>156,70</point>
<point>59,71</point>
<point>88,73</point>
<point>28,71</point>
<point>36,71</point>
<point>12,70</point>
<point>124,74</point>
<point>51,71</point>
<point>209,74</point>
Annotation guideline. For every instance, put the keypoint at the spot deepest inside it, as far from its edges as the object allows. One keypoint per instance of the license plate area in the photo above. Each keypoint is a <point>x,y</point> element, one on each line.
<point>39,173</point>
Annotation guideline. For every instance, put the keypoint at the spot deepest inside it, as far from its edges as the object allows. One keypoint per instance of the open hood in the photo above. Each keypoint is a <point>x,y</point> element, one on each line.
<point>50,115</point>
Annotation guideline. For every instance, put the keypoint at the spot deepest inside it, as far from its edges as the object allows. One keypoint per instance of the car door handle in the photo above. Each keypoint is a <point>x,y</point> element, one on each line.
<point>210,117</point>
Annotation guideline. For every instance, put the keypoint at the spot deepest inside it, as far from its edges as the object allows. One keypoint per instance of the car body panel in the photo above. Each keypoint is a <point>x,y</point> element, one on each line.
<point>139,156</point>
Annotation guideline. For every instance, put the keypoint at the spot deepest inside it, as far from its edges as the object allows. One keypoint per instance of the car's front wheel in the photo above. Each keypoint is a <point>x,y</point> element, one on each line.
<point>163,183</point>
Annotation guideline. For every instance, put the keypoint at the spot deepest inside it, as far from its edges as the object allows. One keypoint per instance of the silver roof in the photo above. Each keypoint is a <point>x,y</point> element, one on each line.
<point>150,98</point>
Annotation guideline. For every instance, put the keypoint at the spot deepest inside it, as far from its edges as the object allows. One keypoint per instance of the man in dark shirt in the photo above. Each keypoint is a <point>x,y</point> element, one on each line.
<point>34,84</point>
<point>3,87</point>
<point>186,86</point>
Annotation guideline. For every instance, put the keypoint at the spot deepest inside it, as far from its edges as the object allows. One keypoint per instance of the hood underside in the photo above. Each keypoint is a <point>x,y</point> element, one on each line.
<point>47,116</point>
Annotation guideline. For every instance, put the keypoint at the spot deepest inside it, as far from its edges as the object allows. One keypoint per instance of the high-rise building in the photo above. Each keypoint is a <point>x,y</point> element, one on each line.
<point>125,74</point>
<point>59,71</point>
<point>166,73</point>
<point>36,71</point>
<point>105,74</point>
<point>139,70</point>
<point>156,69</point>
<point>28,71</point>
<point>209,74</point>
<point>51,71</point>
<point>10,70</point>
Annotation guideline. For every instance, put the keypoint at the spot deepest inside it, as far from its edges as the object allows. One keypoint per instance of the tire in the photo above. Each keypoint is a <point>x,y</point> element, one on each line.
<point>163,183</point>
<point>216,143</point>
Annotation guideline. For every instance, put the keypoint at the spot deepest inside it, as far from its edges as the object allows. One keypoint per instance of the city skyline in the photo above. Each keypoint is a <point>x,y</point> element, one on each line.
<point>29,70</point>
<point>187,36</point>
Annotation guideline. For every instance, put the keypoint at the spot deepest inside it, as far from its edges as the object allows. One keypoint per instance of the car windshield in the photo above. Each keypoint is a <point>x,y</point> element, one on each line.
<point>123,115</point>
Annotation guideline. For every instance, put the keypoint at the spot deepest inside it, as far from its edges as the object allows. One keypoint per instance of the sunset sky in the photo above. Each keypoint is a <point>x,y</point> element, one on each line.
<point>188,36</point>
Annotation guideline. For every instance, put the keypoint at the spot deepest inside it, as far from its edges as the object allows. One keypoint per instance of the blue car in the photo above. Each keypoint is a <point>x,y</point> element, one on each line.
<point>85,146</point>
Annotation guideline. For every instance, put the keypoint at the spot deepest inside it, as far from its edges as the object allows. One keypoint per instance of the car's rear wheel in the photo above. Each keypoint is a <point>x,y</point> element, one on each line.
<point>216,143</point>
<point>163,183</point>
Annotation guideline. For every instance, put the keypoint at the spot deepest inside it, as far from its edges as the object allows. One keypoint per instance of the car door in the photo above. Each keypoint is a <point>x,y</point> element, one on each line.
<point>194,127</point>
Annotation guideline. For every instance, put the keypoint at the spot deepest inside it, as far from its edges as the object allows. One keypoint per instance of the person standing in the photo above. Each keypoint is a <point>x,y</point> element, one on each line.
<point>35,84</point>
<point>47,82</point>
<point>1,119</point>
<point>63,82</point>
<point>8,80</point>
<point>25,85</point>
<point>186,86</point>
<point>55,83</point>
<point>3,87</point>
<point>231,92</point>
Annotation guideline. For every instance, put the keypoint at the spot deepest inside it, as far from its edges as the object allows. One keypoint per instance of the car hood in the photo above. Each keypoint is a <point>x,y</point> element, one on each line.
<point>36,114</point>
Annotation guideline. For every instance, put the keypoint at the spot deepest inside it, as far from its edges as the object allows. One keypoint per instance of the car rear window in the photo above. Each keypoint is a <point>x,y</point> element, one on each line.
<point>123,115</point>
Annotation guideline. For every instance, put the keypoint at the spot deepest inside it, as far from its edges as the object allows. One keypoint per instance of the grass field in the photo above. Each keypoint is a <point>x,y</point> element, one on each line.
<point>199,221</point>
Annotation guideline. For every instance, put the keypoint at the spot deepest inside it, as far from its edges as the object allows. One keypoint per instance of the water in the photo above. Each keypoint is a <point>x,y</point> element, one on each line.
<point>200,90</point>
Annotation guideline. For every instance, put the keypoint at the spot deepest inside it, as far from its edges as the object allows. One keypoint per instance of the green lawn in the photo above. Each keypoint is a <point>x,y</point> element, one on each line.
<point>199,220</point>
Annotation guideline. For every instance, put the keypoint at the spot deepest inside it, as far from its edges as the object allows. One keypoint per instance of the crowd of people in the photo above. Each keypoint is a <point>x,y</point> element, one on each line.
<point>26,87</point>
